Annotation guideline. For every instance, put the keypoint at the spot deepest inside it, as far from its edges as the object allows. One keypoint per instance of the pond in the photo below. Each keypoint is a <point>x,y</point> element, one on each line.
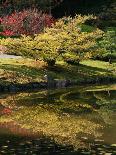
<point>67,121</point>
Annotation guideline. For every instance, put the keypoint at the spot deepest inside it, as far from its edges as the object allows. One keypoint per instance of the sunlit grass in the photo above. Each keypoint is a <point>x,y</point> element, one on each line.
<point>20,71</point>
<point>100,64</point>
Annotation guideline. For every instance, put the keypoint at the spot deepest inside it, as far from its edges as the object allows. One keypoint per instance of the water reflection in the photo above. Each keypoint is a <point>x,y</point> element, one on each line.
<point>80,119</point>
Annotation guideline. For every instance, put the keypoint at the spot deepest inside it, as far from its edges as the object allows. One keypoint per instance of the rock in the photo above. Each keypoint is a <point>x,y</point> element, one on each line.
<point>99,149</point>
<point>21,144</point>
<point>84,138</point>
<point>97,145</point>
<point>86,153</point>
<point>28,142</point>
<point>102,152</point>
<point>4,152</point>
<point>8,141</point>
<point>113,145</point>
<point>99,140</point>
<point>5,146</point>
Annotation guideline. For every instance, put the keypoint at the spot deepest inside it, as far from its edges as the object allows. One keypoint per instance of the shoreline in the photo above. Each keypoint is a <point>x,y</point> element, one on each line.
<point>56,84</point>
<point>18,75</point>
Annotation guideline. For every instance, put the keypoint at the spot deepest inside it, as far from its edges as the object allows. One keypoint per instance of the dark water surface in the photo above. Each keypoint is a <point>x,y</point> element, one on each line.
<point>70,121</point>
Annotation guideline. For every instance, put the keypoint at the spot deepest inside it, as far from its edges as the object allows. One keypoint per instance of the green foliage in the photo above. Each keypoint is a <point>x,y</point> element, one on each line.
<point>87,28</point>
<point>11,5</point>
<point>108,44</point>
<point>68,39</point>
<point>107,16</point>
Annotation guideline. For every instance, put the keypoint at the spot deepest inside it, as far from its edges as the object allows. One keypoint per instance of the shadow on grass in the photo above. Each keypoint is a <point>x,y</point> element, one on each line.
<point>57,72</point>
<point>78,71</point>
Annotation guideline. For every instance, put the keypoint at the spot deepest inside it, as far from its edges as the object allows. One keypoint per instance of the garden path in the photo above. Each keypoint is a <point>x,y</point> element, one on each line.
<point>9,56</point>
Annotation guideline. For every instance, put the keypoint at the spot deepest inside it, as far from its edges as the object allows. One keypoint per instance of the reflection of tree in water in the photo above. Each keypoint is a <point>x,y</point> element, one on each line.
<point>64,128</point>
<point>107,102</point>
<point>63,114</point>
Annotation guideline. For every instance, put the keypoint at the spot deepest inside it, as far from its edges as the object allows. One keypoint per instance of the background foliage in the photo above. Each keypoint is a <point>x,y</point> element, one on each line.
<point>25,22</point>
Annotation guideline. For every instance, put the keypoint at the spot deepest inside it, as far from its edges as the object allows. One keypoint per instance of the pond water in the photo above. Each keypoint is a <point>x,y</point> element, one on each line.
<point>68,121</point>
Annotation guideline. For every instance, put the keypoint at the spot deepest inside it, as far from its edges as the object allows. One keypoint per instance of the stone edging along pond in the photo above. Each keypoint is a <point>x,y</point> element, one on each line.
<point>12,87</point>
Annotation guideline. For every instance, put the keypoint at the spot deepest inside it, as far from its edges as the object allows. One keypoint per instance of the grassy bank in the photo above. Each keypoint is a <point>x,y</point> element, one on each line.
<point>20,71</point>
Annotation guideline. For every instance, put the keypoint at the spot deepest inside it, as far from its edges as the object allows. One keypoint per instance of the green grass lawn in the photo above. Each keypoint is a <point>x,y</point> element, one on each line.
<point>27,70</point>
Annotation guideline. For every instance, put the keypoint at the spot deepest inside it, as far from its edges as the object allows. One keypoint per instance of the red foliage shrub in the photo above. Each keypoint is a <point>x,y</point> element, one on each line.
<point>7,111</point>
<point>7,33</point>
<point>27,22</point>
<point>0,20</point>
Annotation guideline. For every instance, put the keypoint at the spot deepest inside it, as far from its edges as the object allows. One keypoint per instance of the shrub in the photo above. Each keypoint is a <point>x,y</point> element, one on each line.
<point>108,46</point>
<point>7,33</point>
<point>43,47</point>
<point>64,39</point>
<point>27,22</point>
<point>8,6</point>
<point>78,39</point>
